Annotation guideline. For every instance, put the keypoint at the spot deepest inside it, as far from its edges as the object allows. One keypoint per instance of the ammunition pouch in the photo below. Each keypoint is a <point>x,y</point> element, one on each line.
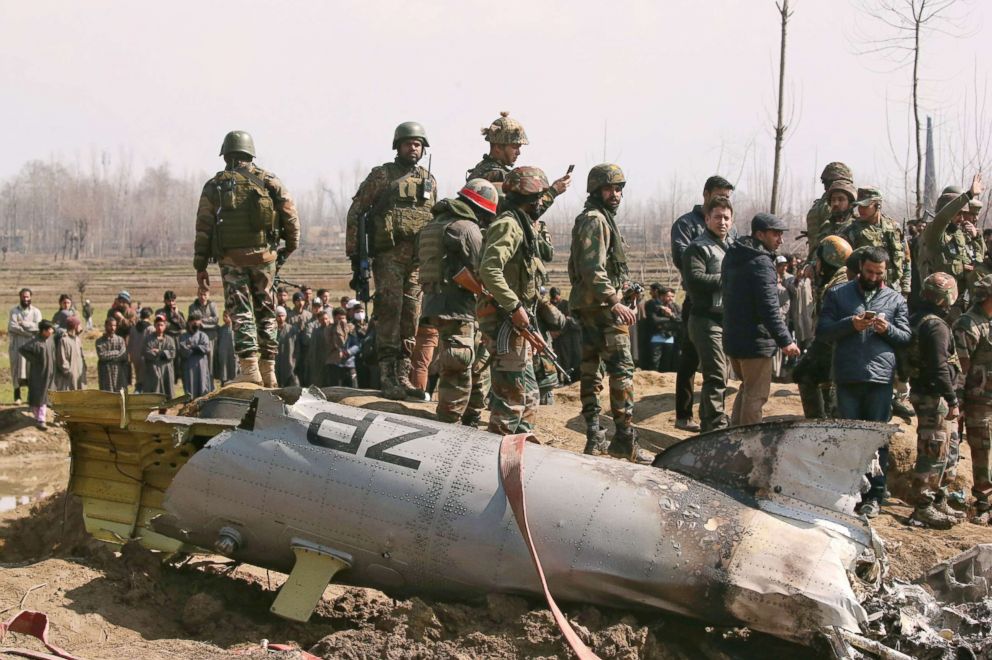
<point>246,215</point>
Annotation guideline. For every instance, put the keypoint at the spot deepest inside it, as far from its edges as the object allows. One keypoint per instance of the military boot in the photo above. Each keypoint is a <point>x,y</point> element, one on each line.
<point>900,408</point>
<point>941,504</point>
<point>472,419</point>
<point>624,445</point>
<point>403,367</point>
<point>983,513</point>
<point>267,370</point>
<point>595,441</point>
<point>248,366</point>
<point>387,376</point>
<point>930,517</point>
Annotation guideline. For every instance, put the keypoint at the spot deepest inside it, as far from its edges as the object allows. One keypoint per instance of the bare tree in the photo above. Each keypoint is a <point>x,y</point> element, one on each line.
<point>908,22</point>
<point>785,14</point>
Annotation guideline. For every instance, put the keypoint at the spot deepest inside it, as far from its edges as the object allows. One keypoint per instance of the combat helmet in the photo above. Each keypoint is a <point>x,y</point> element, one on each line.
<point>835,171</point>
<point>981,289</point>
<point>238,141</point>
<point>940,289</point>
<point>948,195</point>
<point>835,250</point>
<point>480,193</point>
<point>505,131</point>
<point>407,130</point>
<point>844,186</point>
<point>604,174</point>
<point>525,181</point>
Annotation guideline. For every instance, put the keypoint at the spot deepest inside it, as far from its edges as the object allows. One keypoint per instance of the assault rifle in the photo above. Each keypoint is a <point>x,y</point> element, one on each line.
<point>467,280</point>
<point>279,281</point>
<point>361,262</point>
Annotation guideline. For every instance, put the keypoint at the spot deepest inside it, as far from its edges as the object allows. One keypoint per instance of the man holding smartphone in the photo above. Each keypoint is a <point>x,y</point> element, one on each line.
<point>866,321</point>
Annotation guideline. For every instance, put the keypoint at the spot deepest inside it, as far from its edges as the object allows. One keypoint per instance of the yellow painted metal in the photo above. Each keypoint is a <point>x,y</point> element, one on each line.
<point>303,588</point>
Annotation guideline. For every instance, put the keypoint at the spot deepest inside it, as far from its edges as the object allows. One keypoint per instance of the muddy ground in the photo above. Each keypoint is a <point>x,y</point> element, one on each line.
<point>128,604</point>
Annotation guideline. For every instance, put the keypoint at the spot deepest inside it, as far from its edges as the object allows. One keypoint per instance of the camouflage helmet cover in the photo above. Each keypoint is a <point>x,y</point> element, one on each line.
<point>480,193</point>
<point>844,186</point>
<point>407,130</point>
<point>505,131</point>
<point>238,141</point>
<point>982,288</point>
<point>835,171</point>
<point>604,174</point>
<point>525,181</point>
<point>835,250</point>
<point>940,289</point>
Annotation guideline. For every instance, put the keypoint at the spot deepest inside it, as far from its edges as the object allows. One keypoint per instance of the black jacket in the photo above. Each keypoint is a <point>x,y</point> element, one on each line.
<point>939,369</point>
<point>753,324</point>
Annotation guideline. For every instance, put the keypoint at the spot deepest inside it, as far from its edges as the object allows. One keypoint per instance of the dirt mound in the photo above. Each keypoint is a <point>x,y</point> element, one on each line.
<point>19,437</point>
<point>52,527</point>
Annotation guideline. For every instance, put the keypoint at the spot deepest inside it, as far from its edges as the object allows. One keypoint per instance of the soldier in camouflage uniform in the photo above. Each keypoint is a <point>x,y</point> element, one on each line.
<point>822,209</point>
<point>934,372</point>
<point>951,244</point>
<point>398,196</point>
<point>450,242</point>
<point>597,270</point>
<point>508,269</point>
<point>244,213</point>
<point>973,343</point>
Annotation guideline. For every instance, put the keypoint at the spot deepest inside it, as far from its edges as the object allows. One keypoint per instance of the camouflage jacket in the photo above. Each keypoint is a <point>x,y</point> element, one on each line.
<point>492,170</point>
<point>507,265</point>
<point>947,249</point>
<point>206,218</point>
<point>597,268</point>
<point>886,235</point>
<point>381,192</point>
<point>816,217</point>
<point>973,344</point>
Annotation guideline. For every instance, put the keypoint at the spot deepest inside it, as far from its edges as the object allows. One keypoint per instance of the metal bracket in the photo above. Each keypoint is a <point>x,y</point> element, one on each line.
<point>315,567</point>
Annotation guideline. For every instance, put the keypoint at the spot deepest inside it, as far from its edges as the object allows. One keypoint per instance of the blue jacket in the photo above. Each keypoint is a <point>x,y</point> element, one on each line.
<point>753,324</point>
<point>866,356</point>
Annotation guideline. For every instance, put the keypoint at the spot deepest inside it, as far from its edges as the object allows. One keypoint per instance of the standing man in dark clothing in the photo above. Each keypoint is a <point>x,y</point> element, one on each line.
<point>159,356</point>
<point>113,372</point>
<point>175,326</point>
<point>934,372</point>
<point>40,354</point>
<point>684,230</point>
<point>289,346</point>
<point>866,321</point>
<point>702,264</point>
<point>663,320</point>
<point>753,323</point>
<point>66,312</point>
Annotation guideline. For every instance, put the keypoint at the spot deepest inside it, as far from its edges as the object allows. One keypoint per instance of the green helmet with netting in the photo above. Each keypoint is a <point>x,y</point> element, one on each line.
<point>238,142</point>
<point>505,131</point>
<point>407,130</point>
<point>836,171</point>
<point>834,250</point>
<point>940,289</point>
<point>525,181</point>
<point>604,174</point>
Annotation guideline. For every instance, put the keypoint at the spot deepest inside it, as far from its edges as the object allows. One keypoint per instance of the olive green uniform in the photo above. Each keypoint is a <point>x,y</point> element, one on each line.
<point>597,271</point>
<point>393,195</point>
<point>947,248</point>
<point>450,242</point>
<point>244,212</point>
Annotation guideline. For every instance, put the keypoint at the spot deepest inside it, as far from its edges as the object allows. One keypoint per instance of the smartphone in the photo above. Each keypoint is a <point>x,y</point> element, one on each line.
<point>570,169</point>
<point>869,315</point>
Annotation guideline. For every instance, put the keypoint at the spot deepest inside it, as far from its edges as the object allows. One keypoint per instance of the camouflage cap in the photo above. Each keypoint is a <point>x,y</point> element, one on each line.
<point>940,289</point>
<point>868,195</point>
<point>835,171</point>
<point>975,206</point>
<point>834,250</point>
<point>505,131</point>
<point>982,288</point>
<point>846,187</point>
<point>604,174</point>
<point>525,181</point>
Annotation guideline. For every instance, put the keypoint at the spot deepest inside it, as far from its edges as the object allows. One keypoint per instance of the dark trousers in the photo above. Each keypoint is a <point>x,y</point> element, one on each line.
<point>336,375</point>
<point>662,357</point>
<point>871,402</point>
<point>685,376</point>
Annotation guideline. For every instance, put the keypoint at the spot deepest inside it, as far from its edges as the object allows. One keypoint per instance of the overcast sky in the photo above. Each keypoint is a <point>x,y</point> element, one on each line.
<point>321,85</point>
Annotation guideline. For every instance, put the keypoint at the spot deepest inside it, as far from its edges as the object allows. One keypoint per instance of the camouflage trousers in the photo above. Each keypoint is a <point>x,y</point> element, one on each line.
<point>458,393</point>
<point>936,439</point>
<point>606,342</point>
<point>248,299</point>
<point>480,373</point>
<point>978,421</point>
<point>397,302</point>
<point>545,372</point>
<point>513,394</point>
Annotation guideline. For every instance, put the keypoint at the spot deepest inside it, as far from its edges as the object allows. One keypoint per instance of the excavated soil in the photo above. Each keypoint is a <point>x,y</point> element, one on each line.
<point>105,604</point>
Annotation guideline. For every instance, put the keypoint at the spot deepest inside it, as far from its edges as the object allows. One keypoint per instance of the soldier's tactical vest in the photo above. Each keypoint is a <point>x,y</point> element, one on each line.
<point>402,212</point>
<point>956,252</point>
<point>431,253</point>
<point>913,356</point>
<point>246,217</point>
<point>978,381</point>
